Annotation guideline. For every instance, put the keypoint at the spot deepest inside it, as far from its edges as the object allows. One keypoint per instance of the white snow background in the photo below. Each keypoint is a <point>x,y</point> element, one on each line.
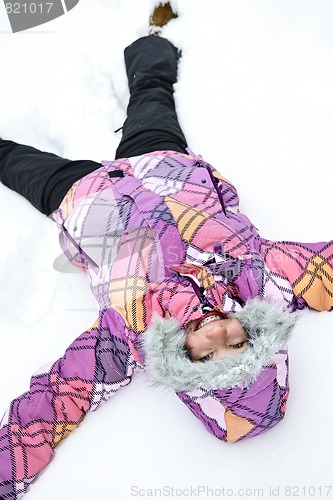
<point>255,98</point>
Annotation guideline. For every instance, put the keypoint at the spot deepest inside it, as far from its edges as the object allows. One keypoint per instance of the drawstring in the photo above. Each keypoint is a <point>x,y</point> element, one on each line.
<point>197,158</point>
<point>78,248</point>
<point>199,293</point>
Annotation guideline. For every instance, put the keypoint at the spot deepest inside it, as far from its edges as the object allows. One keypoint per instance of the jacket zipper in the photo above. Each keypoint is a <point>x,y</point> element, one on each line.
<point>199,163</point>
<point>219,194</point>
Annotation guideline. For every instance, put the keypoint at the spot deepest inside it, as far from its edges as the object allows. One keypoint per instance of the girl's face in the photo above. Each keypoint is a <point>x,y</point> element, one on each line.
<point>213,336</point>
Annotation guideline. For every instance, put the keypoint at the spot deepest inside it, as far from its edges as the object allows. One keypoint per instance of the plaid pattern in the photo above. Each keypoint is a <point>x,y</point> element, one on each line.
<point>92,369</point>
<point>232,415</point>
<point>308,267</point>
<point>148,241</point>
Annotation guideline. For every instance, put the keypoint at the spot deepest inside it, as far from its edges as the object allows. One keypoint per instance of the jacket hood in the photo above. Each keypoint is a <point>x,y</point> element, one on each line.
<point>267,326</point>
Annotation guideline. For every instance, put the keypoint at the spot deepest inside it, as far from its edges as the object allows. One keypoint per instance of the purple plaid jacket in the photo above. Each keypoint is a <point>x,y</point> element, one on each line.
<point>159,234</point>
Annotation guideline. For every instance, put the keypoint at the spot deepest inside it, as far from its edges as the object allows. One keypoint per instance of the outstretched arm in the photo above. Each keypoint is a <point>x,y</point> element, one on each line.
<point>92,369</point>
<point>307,266</point>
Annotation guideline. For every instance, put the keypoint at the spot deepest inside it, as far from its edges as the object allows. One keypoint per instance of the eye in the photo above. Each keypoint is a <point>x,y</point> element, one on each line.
<point>237,346</point>
<point>206,358</point>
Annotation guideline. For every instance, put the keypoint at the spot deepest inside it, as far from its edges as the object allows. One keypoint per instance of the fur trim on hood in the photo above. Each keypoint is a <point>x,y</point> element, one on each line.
<point>267,326</point>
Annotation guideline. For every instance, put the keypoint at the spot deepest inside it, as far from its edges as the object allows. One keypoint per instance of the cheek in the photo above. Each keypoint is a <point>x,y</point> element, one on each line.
<point>193,342</point>
<point>188,344</point>
<point>190,326</point>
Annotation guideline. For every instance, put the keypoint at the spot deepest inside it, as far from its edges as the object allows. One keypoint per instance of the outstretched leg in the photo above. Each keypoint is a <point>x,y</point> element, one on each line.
<point>42,178</point>
<point>152,123</point>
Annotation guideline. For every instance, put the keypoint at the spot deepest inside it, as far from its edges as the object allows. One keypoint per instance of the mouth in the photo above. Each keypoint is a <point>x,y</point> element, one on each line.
<point>209,317</point>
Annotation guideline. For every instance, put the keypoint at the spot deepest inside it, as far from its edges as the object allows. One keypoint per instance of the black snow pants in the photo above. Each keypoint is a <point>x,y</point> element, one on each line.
<point>151,124</point>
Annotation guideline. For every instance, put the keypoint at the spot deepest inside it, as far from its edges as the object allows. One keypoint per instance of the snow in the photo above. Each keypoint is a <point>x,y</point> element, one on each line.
<point>254,97</point>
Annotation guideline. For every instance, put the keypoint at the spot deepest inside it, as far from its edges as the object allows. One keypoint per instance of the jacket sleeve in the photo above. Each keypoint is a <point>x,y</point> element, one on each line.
<point>235,414</point>
<point>92,369</point>
<point>307,266</point>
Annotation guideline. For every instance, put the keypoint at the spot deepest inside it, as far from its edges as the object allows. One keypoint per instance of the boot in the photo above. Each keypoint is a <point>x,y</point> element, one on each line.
<point>161,15</point>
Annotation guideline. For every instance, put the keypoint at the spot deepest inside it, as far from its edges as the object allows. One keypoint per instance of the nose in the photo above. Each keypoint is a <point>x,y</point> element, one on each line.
<point>216,332</point>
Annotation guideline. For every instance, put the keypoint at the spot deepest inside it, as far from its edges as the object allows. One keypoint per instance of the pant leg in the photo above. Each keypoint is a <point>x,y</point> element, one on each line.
<point>42,178</point>
<point>152,123</point>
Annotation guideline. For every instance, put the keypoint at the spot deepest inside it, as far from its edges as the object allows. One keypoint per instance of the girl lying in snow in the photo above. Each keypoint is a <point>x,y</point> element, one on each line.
<point>187,288</point>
